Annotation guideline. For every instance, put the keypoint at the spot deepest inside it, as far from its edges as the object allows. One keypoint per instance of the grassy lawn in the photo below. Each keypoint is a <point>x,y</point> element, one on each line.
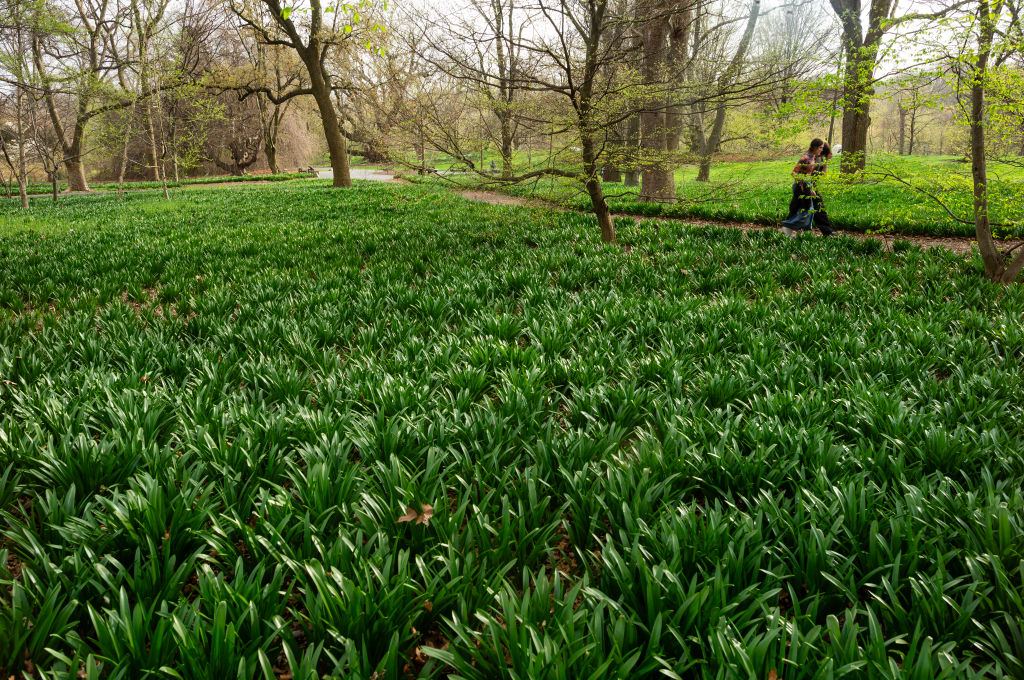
<point>385,432</point>
<point>760,192</point>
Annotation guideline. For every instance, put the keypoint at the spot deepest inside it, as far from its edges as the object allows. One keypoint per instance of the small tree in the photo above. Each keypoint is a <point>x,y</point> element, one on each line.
<point>977,66</point>
<point>577,66</point>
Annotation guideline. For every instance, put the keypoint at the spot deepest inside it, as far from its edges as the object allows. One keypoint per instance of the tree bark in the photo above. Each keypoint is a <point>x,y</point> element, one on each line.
<point>996,267</point>
<point>594,189</point>
<point>658,177</point>
<point>678,66</point>
<point>631,177</point>
<point>22,167</point>
<point>611,173</point>
<point>903,129</point>
<point>856,111</point>
<point>270,149</point>
<point>336,147</point>
<point>73,164</point>
<point>124,163</point>
<point>913,125</point>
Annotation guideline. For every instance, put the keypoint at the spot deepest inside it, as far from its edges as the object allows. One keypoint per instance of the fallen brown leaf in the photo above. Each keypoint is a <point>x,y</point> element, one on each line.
<point>421,517</point>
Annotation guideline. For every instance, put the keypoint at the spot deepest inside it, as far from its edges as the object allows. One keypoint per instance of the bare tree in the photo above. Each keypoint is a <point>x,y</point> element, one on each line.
<point>313,33</point>
<point>575,65</point>
<point>999,265</point>
<point>482,46</point>
<point>707,141</point>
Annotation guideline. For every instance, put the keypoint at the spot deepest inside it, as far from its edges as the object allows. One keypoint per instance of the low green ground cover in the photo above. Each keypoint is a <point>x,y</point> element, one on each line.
<point>384,432</point>
<point>760,192</point>
<point>36,188</point>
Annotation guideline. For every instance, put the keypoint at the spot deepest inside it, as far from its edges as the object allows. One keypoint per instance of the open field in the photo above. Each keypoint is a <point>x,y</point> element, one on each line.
<point>284,430</point>
<point>760,191</point>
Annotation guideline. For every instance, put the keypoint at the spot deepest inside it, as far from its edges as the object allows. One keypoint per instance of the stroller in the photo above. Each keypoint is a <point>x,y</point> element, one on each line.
<point>806,210</point>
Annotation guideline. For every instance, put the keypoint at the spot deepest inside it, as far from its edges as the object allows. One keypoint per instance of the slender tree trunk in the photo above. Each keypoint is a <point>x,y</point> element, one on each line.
<point>506,146</point>
<point>913,125</point>
<point>610,171</point>
<point>154,154</point>
<point>72,150</point>
<point>124,152</point>
<point>996,268</point>
<point>122,169</point>
<point>22,169</point>
<point>631,178</point>
<point>595,191</point>
<point>711,143</point>
<point>903,129</point>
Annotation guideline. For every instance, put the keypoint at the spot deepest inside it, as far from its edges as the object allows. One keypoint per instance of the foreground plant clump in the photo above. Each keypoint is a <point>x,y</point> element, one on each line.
<point>386,433</point>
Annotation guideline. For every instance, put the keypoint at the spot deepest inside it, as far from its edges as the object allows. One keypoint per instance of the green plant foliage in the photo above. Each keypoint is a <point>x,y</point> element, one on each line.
<point>385,432</point>
<point>874,201</point>
<point>46,188</point>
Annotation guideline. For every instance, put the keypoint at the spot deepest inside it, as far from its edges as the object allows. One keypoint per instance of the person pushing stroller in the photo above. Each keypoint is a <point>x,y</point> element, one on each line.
<point>806,209</point>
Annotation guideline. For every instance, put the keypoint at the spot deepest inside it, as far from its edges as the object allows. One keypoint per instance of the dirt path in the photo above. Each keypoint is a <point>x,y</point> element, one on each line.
<point>958,244</point>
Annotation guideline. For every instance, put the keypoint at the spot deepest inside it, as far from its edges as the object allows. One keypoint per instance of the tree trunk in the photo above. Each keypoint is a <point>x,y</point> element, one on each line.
<point>22,168</point>
<point>913,124</point>
<point>610,173</point>
<point>712,142</point>
<point>72,150</point>
<point>506,147</point>
<point>855,138</point>
<point>658,177</point>
<point>903,129</point>
<point>121,171</point>
<point>704,169</point>
<point>678,67</point>
<point>604,215</point>
<point>271,152</point>
<point>154,155</point>
<point>631,178</point>
<point>859,63</point>
<point>996,268</point>
<point>596,193</point>
<point>73,162</point>
<point>329,117</point>
<point>615,143</point>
